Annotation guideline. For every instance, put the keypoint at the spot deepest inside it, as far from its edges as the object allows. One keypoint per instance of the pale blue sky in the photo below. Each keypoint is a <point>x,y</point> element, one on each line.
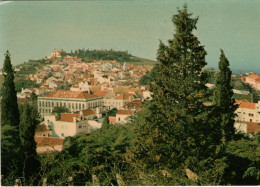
<point>30,30</point>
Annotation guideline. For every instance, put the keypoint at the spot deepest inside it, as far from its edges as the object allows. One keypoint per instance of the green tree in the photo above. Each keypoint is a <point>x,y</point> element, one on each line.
<point>58,110</point>
<point>10,155</point>
<point>10,142</point>
<point>223,101</point>
<point>173,130</point>
<point>9,106</point>
<point>27,129</point>
<point>105,124</point>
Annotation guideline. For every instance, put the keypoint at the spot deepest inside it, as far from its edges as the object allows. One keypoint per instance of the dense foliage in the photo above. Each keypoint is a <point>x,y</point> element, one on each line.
<point>120,56</point>
<point>9,106</point>
<point>99,154</point>
<point>174,130</point>
<point>27,127</point>
<point>223,101</point>
<point>148,78</point>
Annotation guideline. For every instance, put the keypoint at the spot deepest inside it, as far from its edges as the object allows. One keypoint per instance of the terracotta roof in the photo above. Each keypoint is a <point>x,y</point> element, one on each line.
<point>102,93</point>
<point>67,117</point>
<point>123,96</point>
<point>112,119</point>
<point>253,127</point>
<point>47,141</point>
<point>254,76</point>
<point>134,104</point>
<point>245,104</point>
<point>41,129</point>
<point>125,112</point>
<point>71,94</point>
<point>88,112</point>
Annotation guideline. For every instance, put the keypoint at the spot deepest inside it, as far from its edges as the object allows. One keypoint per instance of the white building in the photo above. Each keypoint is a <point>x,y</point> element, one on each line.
<point>69,124</point>
<point>73,100</point>
<point>122,116</point>
<point>118,102</point>
<point>106,66</point>
<point>247,111</point>
<point>82,86</point>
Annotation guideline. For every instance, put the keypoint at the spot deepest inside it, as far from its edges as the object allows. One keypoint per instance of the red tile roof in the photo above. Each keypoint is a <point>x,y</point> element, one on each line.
<point>125,112</point>
<point>112,119</point>
<point>47,141</point>
<point>67,117</point>
<point>253,127</point>
<point>134,104</point>
<point>88,112</point>
<point>245,104</point>
<point>71,94</point>
<point>41,129</point>
<point>102,93</point>
<point>254,76</point>
<point>123,96</point>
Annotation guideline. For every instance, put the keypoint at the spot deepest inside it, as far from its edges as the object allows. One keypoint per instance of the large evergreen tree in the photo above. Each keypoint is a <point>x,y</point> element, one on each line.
<point>173,130</point>
<point>223,101</point>
<point>10,141</point>
<point>27,131</point>
<point>105,124</point>
<point>9,106</point>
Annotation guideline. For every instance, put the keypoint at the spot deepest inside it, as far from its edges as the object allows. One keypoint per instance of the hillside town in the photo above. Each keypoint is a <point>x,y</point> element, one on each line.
<point>90,90</point>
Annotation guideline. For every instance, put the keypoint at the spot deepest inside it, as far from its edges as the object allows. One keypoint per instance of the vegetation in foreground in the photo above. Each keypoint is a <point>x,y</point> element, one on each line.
<point>174,140</point>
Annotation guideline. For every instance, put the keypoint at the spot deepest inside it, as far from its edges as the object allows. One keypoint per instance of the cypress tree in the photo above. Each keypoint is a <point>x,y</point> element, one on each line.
<point>223,101</point>
<point>105,124</point>
<point>10,118</point>
<point>173,129</point>
<point>27,131</point>
<point>9,107</point>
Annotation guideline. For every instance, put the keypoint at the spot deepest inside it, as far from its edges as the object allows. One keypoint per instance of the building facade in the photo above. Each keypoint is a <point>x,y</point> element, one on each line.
<point>73,100</point>
<point>247,111</point>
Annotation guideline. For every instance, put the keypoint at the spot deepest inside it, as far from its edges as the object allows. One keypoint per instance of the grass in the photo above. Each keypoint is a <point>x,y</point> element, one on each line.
<point>143,61</point>
<point>1,80</point>
<point>241,97</point>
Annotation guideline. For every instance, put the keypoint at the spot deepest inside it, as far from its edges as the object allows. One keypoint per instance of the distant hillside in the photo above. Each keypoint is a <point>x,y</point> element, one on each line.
<point>120,56</point>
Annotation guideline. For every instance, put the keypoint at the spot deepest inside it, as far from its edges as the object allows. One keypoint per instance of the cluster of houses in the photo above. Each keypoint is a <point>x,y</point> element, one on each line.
<point>74,74</point>
<point>88,90</point>
<point>95,88</point>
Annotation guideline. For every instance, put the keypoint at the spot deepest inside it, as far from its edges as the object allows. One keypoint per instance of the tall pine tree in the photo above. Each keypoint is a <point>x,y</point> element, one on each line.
<point>9,107</point>
<point>223,101</point>
<point>173,130</point>
<point>27,129</point>
<point>105,124</point>
<point>10,141</point>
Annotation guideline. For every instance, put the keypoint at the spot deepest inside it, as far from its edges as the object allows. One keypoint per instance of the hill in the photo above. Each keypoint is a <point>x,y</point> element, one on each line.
<point>120,56</point>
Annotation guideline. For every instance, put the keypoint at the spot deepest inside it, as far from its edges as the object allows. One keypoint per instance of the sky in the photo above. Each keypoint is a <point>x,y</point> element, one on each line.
<point>31,30</point>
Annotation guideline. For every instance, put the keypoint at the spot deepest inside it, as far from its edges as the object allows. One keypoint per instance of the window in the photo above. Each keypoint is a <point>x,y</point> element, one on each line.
<point>252,115</point>
<point>69,105</point>
<point>79,106</point>
<point>39,103</point>
<point>79,126</point>
<point>76,105</point>
<point>83,106</point>
<point>52,104</point>
<point>73,105</point>
<point>62,134</point>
